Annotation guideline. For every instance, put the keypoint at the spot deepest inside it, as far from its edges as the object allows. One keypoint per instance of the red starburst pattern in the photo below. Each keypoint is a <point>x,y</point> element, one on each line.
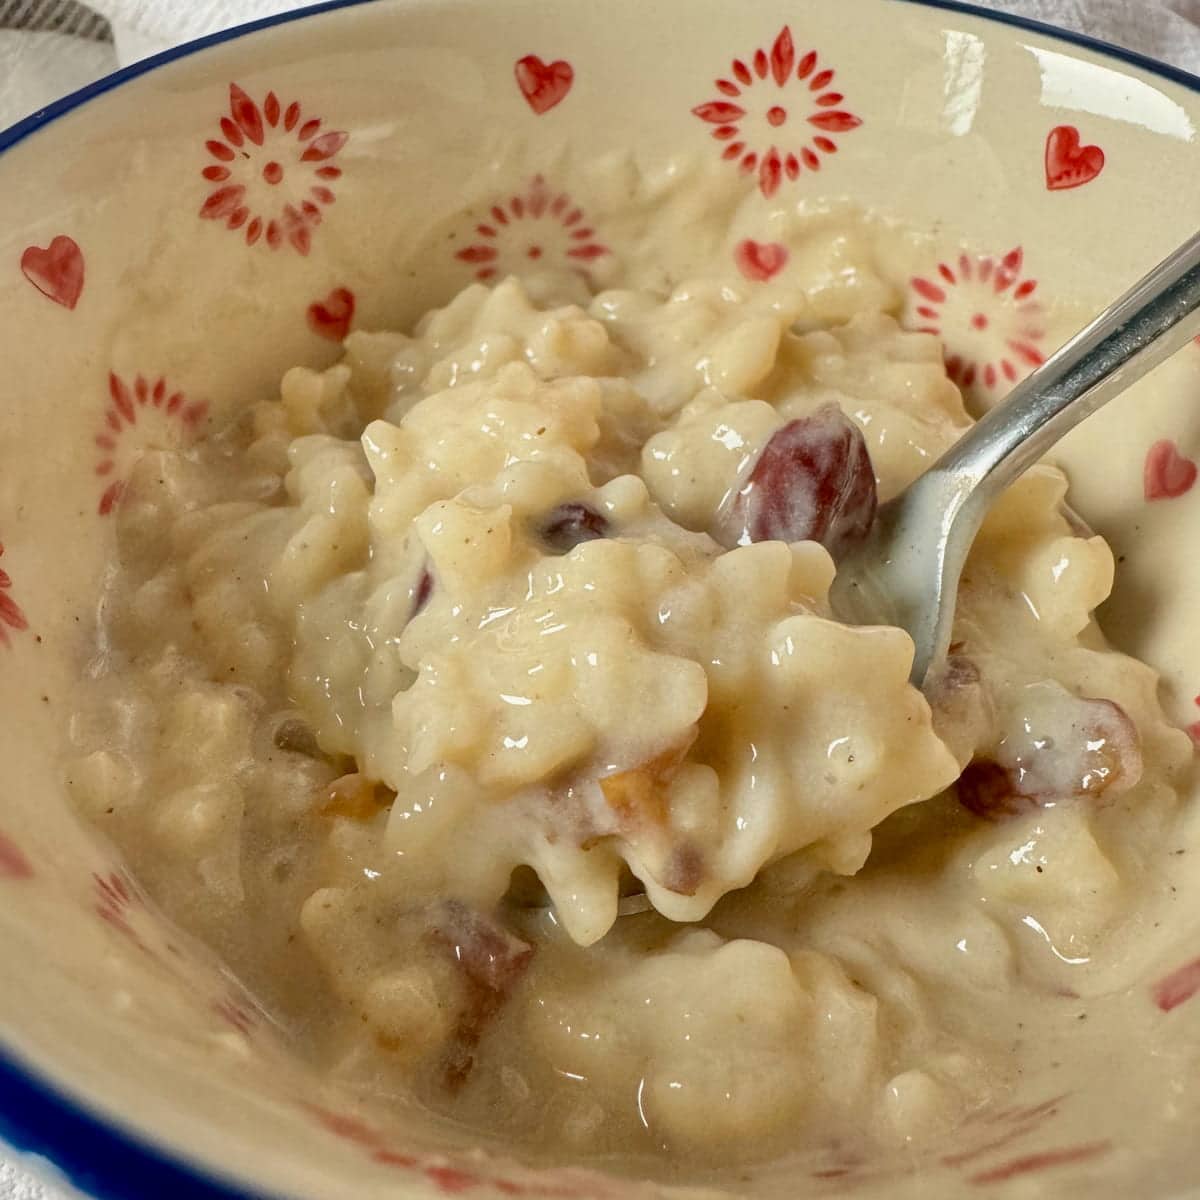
<point>540,226</point>
<point>273,171</point>
<point>178,420</point>
<point>983,1134</point>
<point>788,124</point>
<point>445,1176</point>
<point>12,618</point>
<point>237,1013</point>
<point>1178,987</point>
<point>987,317</point>
<point>13,863</point>
<point>1003,1130</point>
<point>114,898</point>
<point>1043,1161</point>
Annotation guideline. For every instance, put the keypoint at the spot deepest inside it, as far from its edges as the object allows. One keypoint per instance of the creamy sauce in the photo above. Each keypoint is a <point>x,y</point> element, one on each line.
<point>480,700</point>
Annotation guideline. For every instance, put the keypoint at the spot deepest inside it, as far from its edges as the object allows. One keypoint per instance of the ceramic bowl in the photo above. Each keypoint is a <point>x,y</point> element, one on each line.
<point>182,232</point>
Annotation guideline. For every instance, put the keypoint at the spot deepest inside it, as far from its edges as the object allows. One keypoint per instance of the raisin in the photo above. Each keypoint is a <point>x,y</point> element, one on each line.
<point>570,524</point>
<point>423,591</point>
<point>488,954</point>
<point>491,961</point>
<point>1063,749</point>
<point>813,481</point>
<point>296,737</point>
<point>986,789</point>
<point>959,672</point>
<point>1088,748</point>
<point>685,870</point>
<point>1113,763</point>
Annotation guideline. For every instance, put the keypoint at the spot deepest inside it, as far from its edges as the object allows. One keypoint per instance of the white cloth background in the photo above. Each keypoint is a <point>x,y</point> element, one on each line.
<point>51,47</point>
<point>36,67</point>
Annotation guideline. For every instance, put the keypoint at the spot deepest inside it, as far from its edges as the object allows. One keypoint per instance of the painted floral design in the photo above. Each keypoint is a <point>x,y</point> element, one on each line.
<point>13,863</point>
<point>1069,163</point>
<point>1006,1128</point>
<point>273,171</point>
<point>543,84</point>
<point>1003,1130</point>
<point>984,1134</point>
<point>777,113</point>
<point>1178,987</point>
<point>1167,473</point>
<point>12,618</point>
<point>1029,1163</point>
<point>175,418</point>
<point>447,1178</point>
<point>114,896</point>
<point>760,261</point>
<point>56,270</point>
<point>330,318</point>
<point>540,225</point>
<point>987,317</point>
<point>237,1013</point>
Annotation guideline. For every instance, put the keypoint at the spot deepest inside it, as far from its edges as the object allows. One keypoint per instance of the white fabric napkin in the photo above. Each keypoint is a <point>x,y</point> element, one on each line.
<point>36,67</point>
<point>40,62</point>
<point>1168,30</point>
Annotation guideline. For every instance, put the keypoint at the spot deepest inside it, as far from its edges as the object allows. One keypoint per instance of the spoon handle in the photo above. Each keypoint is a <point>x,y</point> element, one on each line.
<point>1132,336</point>
<point>923,536</point>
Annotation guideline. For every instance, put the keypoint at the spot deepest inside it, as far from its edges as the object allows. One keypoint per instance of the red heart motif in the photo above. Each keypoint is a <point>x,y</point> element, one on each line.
<point>56,271</point>
<point>1167,473</point>
<point>543,84</point>
<point>760,261</point>
<point>1068,164</point>
<point>330,318</point>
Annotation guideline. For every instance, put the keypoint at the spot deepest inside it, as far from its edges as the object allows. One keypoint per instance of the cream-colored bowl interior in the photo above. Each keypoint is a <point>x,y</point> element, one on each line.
<point>113,268</point>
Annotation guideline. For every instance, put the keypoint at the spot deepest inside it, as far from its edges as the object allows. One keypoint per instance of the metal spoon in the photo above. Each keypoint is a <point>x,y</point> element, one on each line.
<point>907,571</point>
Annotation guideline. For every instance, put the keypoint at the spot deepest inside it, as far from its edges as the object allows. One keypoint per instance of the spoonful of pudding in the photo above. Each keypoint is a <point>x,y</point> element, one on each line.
<point>906,571</point>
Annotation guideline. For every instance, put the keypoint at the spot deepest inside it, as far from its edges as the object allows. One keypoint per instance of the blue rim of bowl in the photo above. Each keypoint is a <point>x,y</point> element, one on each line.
<point>105,1161</point>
